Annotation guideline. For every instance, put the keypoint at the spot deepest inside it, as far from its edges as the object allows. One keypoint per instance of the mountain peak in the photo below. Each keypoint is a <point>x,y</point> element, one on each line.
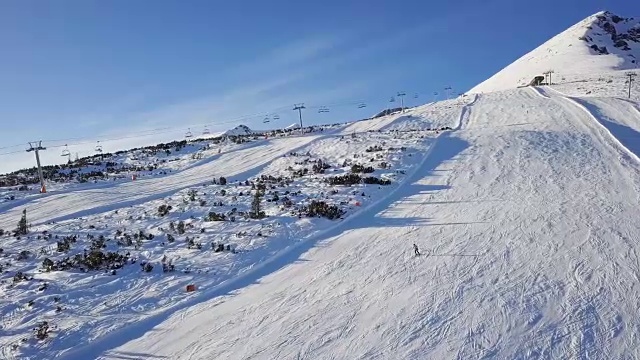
<point>602,42</point>
<point>239,130</point>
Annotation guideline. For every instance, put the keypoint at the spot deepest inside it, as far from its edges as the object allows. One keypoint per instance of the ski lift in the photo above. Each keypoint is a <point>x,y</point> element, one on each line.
<point>415,96</point>
<point>362,105</point>
<point>188,133</point>
<point>65,151</point>
<point>323,109</point>
<point>99,147</point>
<point>206,131</point>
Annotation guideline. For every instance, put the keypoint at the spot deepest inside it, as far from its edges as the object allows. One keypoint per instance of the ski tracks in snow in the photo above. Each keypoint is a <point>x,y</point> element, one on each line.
<point>619,122</point>
<point>526,186</point>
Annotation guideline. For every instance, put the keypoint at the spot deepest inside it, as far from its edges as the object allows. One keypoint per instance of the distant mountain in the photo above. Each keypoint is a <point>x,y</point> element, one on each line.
<point>239,130</point>
<point>602,42</point>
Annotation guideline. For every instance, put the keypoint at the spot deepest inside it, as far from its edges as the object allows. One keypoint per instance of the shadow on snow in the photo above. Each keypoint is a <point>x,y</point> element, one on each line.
<point>445,148</point>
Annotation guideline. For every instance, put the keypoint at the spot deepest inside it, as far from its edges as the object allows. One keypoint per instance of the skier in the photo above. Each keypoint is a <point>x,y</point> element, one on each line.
<point>415,250</point>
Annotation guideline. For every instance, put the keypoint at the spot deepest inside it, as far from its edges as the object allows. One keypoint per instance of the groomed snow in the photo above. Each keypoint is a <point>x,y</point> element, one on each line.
<point>526,220</point>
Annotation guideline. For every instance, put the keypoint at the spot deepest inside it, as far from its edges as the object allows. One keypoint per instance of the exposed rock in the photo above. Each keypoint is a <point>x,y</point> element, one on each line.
<point>600,50</point>
<point>622,44</point>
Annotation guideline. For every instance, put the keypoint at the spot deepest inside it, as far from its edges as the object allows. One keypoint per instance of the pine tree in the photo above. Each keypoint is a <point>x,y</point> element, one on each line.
<point>22,224</point>
<point>256,208</point>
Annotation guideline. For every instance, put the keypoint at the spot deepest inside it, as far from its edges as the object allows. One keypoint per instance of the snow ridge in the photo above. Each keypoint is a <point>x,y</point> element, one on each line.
<point>603,42</point>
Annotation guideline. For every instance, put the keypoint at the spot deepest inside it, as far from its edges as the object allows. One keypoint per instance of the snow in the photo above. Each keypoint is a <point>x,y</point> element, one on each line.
<point>464,200</point>
<point>242,163</point>
<point>239,130</point>
<point>523,202</point>
<point>93,300</point>
<point>527,220</point>
<point>568,55</point>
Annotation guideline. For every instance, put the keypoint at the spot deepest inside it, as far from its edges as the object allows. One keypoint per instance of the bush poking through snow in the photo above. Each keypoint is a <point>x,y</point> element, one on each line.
<point>180,228</point>
<point>146,267</point>
<point>42,331</point>
<point>98,244</point>
<point>47,264</point>
<point>164,210</point>
<point>376,181</point>
<point>94,260</point>
<point>347,179</point>
<point>357,168</point>
<point>322,209</point>
<point>20,276</point>
<point>213,216</point>
<point>353,179</point>
<point>65,244</point>
<point>23,255</point>
<point>97,260</point>
<point>319,167</point>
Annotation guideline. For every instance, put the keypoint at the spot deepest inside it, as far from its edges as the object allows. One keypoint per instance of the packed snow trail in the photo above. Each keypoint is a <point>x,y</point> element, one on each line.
<point>72,204</point>
<point>527,216</point>
<point>620,119</point>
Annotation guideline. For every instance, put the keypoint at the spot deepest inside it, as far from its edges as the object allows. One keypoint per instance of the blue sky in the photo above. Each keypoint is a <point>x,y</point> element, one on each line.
<point>77,71</point>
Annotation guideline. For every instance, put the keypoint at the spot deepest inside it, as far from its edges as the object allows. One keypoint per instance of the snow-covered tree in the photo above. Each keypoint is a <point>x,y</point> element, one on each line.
<point>22,224</point>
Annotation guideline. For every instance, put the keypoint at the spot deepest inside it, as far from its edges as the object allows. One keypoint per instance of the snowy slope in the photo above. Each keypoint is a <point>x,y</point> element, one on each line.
<point>601,43</point>
<point>90,305</point>
<point>239,130</point>
<point>66,205</point>
<point>527,214</point>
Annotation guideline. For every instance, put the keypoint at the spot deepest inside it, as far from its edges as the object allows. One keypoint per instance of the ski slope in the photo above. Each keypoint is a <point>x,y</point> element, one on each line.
<point>620,118</point>
<point>94,305</point>
<point>526,220</point>
<point>242,163</point>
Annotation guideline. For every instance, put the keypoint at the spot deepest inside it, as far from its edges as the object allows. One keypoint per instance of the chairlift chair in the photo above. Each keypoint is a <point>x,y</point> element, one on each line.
<point>188,133</point>
<point>99,147</point>
<point>362,105</point>
<point>206,131</point>
<point>65,151</point>
<point>276,117</point>
<point>266,120</point>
